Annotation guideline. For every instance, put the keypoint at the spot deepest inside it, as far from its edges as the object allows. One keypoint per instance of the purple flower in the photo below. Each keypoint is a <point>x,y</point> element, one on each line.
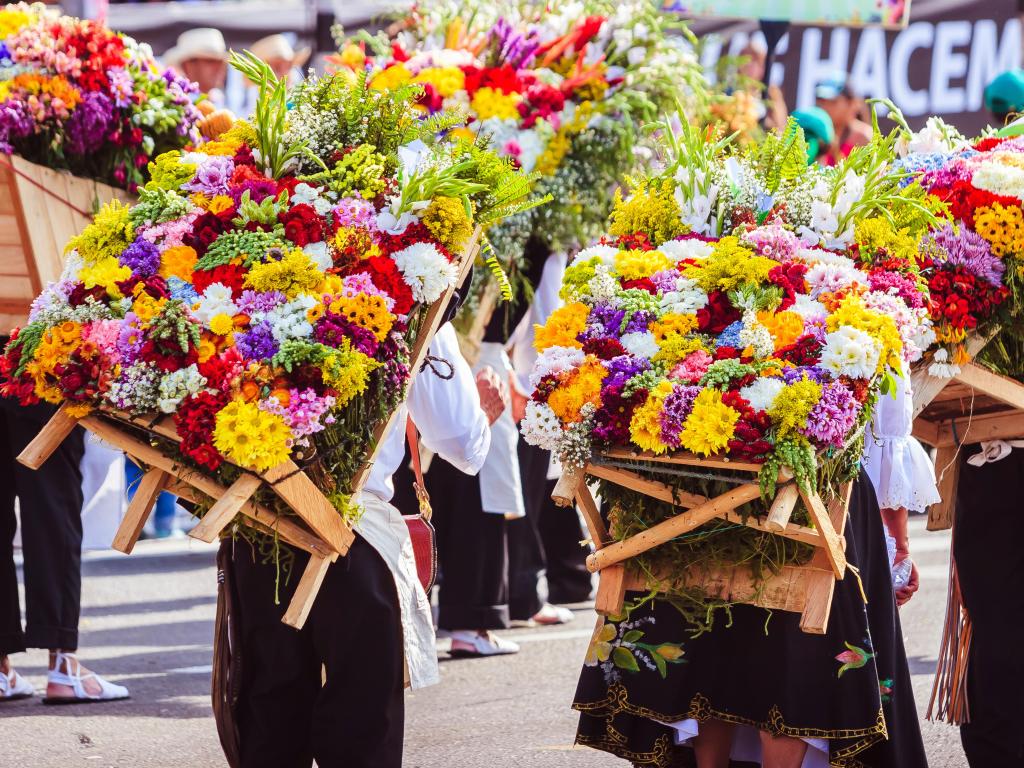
<point>604,320</point>
<point>814,373</point>
<point>676,408</point>
<point>665,281</point>
<point>212,177</point>
<point>122,86</point>
<point>130,340</point>
<point>333,329</point>
<point>393,351</point>
<point>897,285</point>
<point>15,123</point>
<point>623,368</point>
<point>967,249</point>
<point>251,302</point>
<point>258,189</point>
<point>639,321</point>
<point>258,342</point>
<point>141,257</point>
<point>89,124</point>
<point>835,414</point>
<point>773,241</point>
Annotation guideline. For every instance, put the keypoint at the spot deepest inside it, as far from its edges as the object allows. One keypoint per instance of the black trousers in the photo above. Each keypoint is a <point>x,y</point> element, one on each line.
<point>472,551</point>
<point>552,545</point>
<point>286,716</point>
<point>50,500</point>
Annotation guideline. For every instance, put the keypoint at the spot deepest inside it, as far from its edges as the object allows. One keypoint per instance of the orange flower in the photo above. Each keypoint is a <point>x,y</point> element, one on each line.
<point>250,391</point>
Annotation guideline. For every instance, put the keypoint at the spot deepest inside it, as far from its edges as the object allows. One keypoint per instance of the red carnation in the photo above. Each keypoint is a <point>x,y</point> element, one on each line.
<point>604,348</point>
<point>302,224</point>
<point>231,275</point>
<point>643,284</point>
<point>718,314</point>
<point>205,229</point>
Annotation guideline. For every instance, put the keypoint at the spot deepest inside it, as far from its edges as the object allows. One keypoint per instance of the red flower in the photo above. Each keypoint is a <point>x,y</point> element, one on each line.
<point>195,420</point>
<point>221,369</point>
<point>718,314</point>
<point>205,229</point>
<point>806,350</point>
<point>604,348</point>
<point>643,283</point>
<point>990,143</point>
<point>431,98</point>
<point>302,224</point>
<point>789,277</point>
<point>386,277</point>
<point>231,275</point>
<point>79,294</point>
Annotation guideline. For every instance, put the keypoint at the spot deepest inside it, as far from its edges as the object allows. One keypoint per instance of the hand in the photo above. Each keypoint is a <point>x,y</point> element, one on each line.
<point>493,393</point>
<point>903,594</point>
<point>518,401</point>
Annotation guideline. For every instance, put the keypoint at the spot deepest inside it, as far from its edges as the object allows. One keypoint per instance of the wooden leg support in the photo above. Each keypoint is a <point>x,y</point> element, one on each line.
<point>305,593</point>
<point>150,487</point>
<point>592,515</point>
<point>818,605</point>
<point>830,542</point>
<point>782,508</point>
<point>311,505</point>
<point>947,468</point>
<point>48,440</point>
<point>611,590</point>
<point>224,510</point>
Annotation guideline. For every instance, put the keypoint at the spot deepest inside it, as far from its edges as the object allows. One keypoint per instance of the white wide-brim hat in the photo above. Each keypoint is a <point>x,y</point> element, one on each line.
<point>199,43</point>
<point>278,47</point>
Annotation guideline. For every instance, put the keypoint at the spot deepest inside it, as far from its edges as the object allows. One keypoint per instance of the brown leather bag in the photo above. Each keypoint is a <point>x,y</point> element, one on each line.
<point>424,538</point>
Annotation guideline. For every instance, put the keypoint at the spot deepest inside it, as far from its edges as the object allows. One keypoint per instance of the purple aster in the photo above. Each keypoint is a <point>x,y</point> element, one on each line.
<point>355,212</point>
<point>15,123</point>
<point>141,257</point>
<point>639,321</point>
<point>251,302</point>
<point>832,418</point>
<point>623,368</point>
<point>87,128</point>
<point>812,372</point>
<point>674,410</point>
<point>604,321</point>
<point>258,189</point>
<point>258,342</point>
<point>969,250</point>
<point>130,340</point>
<point>212,176</point>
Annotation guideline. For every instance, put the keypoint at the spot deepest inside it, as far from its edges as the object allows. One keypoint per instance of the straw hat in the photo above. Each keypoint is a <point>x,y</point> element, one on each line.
<point>278,47</point>
<point>199,43</point>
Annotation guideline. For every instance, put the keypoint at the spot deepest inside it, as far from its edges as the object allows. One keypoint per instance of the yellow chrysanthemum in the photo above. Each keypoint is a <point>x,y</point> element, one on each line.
<point>366,311</point>
<point>178,261</point>
<point>390,78</point>
<point>634,265</point>
<point>562,328</point>
<point>645,426</point>
<point>1002,226</point>
<point>293,275</point>
<point>881,328</point>
<point>13,20</point>
<point>146,307</point>
<point>105,273</point>
<point>710,425</point>
<point>490,102</point>
<point>447,80</point>
<point>785,327</point>
<point>250,437</point>
<point>222,324</point>
<point>674,336</point>
<point>581,387</point>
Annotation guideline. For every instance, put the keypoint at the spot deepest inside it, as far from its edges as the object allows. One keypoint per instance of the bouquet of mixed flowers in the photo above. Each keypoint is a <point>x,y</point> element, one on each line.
<point>742,305</point>
<point>77,96</point>
<point>974,262</point>
<point>563,91</point>
<point>267,287</point>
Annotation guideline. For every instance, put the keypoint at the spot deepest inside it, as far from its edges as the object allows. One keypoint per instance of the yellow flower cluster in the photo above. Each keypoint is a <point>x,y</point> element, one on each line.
<point>710,425</point>
<point>560,144</point>
<point>645,426</point>
<point>447,80</point>
<point>55,87</point>
<point>1003,227</point>
<point>729,265</point>
<point>882,328</point>
<point>366,311</point>
<point>490,102</point>
<point>13,20</point>
<point>649,209</point>
<point>785,327</point>
<point>446,219</point>
<point>563,326</point>
<point>105,273</point>
<point>145,306</point>
<point>110,233</point>
<point>877,234</point>
<point>357,240</point>
<point>293,275</point>
<point>793,404</point>
<point>581,387</point>
<point>672,333</point>
<point>250,437</point>
<point>577,276</point>
<point>634,265</point>
<point>55,347</point>
<point>348,371</point>
<point>390,78</point>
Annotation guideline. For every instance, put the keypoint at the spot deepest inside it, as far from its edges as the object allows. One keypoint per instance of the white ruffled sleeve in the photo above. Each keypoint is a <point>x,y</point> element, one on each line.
<point>899,468</point>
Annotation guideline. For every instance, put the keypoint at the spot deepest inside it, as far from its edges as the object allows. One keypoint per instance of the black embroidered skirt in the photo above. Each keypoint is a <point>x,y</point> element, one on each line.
<point>850,686</point>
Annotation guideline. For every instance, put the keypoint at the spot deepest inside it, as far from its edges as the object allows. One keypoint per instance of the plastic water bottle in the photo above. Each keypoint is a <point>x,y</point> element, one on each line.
<point>901,573</point>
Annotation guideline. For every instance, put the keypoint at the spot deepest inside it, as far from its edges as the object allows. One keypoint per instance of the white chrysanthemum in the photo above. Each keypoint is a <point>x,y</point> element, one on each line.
<point>995,176</point>
<point>686,299</point>
<point>606,253</point>
<point>177,385</point>
<point>640,344</point>
<point>812,256</point>
<point>426,271</point>
<point>690,248</point>
<point>808,308</point>
<point>756,336</point>
<point>555,360</point>
<point>850,352</point>
<point>541,427</point>
<point>762,393</point>
<point>289,320</point>
<point>829,278</point>
<point>941,368</point>
<point>319,254</point>
<point>216,300</point>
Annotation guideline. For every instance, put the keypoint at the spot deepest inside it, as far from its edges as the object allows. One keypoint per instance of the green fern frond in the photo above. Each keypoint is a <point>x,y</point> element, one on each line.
<point>494,265</point>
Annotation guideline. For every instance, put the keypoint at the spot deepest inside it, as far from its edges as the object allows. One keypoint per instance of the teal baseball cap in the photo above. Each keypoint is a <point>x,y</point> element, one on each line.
<point>818,130</point>
<point>1005,94</point>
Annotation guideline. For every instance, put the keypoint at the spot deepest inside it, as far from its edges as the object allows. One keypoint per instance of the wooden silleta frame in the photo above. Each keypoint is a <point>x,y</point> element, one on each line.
<point>316,527</point>
<point>804,589</point>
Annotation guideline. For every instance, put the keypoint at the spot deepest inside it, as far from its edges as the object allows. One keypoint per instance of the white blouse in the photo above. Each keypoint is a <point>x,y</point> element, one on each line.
<point>899,467</point>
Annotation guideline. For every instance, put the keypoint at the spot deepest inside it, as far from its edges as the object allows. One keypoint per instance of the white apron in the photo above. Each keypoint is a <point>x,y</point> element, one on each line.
<point>501,490</point>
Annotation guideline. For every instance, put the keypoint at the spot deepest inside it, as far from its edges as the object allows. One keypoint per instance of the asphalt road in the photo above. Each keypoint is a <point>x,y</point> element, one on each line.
<point>147,623</point>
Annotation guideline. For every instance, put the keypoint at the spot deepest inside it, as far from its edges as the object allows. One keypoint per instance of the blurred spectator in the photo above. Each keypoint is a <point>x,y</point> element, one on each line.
<point>201,55</point>
<point>1004,96</point>
<point>843,105</point>
<point>818,132</point>
<point>281,57</point>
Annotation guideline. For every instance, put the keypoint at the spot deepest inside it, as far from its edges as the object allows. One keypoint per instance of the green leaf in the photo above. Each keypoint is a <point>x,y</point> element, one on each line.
<point>624,659</point>
<point>659,662</point>
<point>632,636</point>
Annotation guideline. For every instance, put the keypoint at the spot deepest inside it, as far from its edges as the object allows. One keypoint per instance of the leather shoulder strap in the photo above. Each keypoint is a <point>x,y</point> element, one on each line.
<point>413,438</point>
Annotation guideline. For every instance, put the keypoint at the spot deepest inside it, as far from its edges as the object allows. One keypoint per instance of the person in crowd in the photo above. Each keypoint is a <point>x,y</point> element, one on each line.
<point>836,96</point>
<point>1004,96</point>
<point>280,56</point>
<point>370,628</point>
<point>201,55</point>
<point>50,503</point>
<point>818,133</point>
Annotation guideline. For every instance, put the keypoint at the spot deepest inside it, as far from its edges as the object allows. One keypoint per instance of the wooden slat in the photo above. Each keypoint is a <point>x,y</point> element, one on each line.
<point>669,529</point>
<point>305,593</point>
<point>225,508</point>
<point>782,508</point>
<point>926,387</point>
<point>947,471</point>
<point>1001,388</point>
<point>928,432</point>
<point>978,429</point>
<point>820,586</point>
<point>302,495</point>
<point>599,535</point>
<point>791,531</point>
<point>611,591</point>
<point>830,541</point>
<point>567,485</point>
<point>48,440</point>
<point>150,487</point>
<point>688,459</point>
<point>641,484</point>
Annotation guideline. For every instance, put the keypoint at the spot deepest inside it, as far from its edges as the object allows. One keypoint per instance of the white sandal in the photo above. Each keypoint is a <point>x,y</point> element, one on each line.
<point>14,687</point>
<point>73,679</point>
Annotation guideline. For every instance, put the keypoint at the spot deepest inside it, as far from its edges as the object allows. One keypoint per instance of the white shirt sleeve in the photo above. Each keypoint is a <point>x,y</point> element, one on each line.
<point>447,412</point>
<point>899,468</point>
<point>545,301</point>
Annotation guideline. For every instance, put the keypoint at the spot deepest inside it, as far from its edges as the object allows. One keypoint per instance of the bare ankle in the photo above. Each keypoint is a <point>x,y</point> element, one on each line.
<point>5,665</point>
